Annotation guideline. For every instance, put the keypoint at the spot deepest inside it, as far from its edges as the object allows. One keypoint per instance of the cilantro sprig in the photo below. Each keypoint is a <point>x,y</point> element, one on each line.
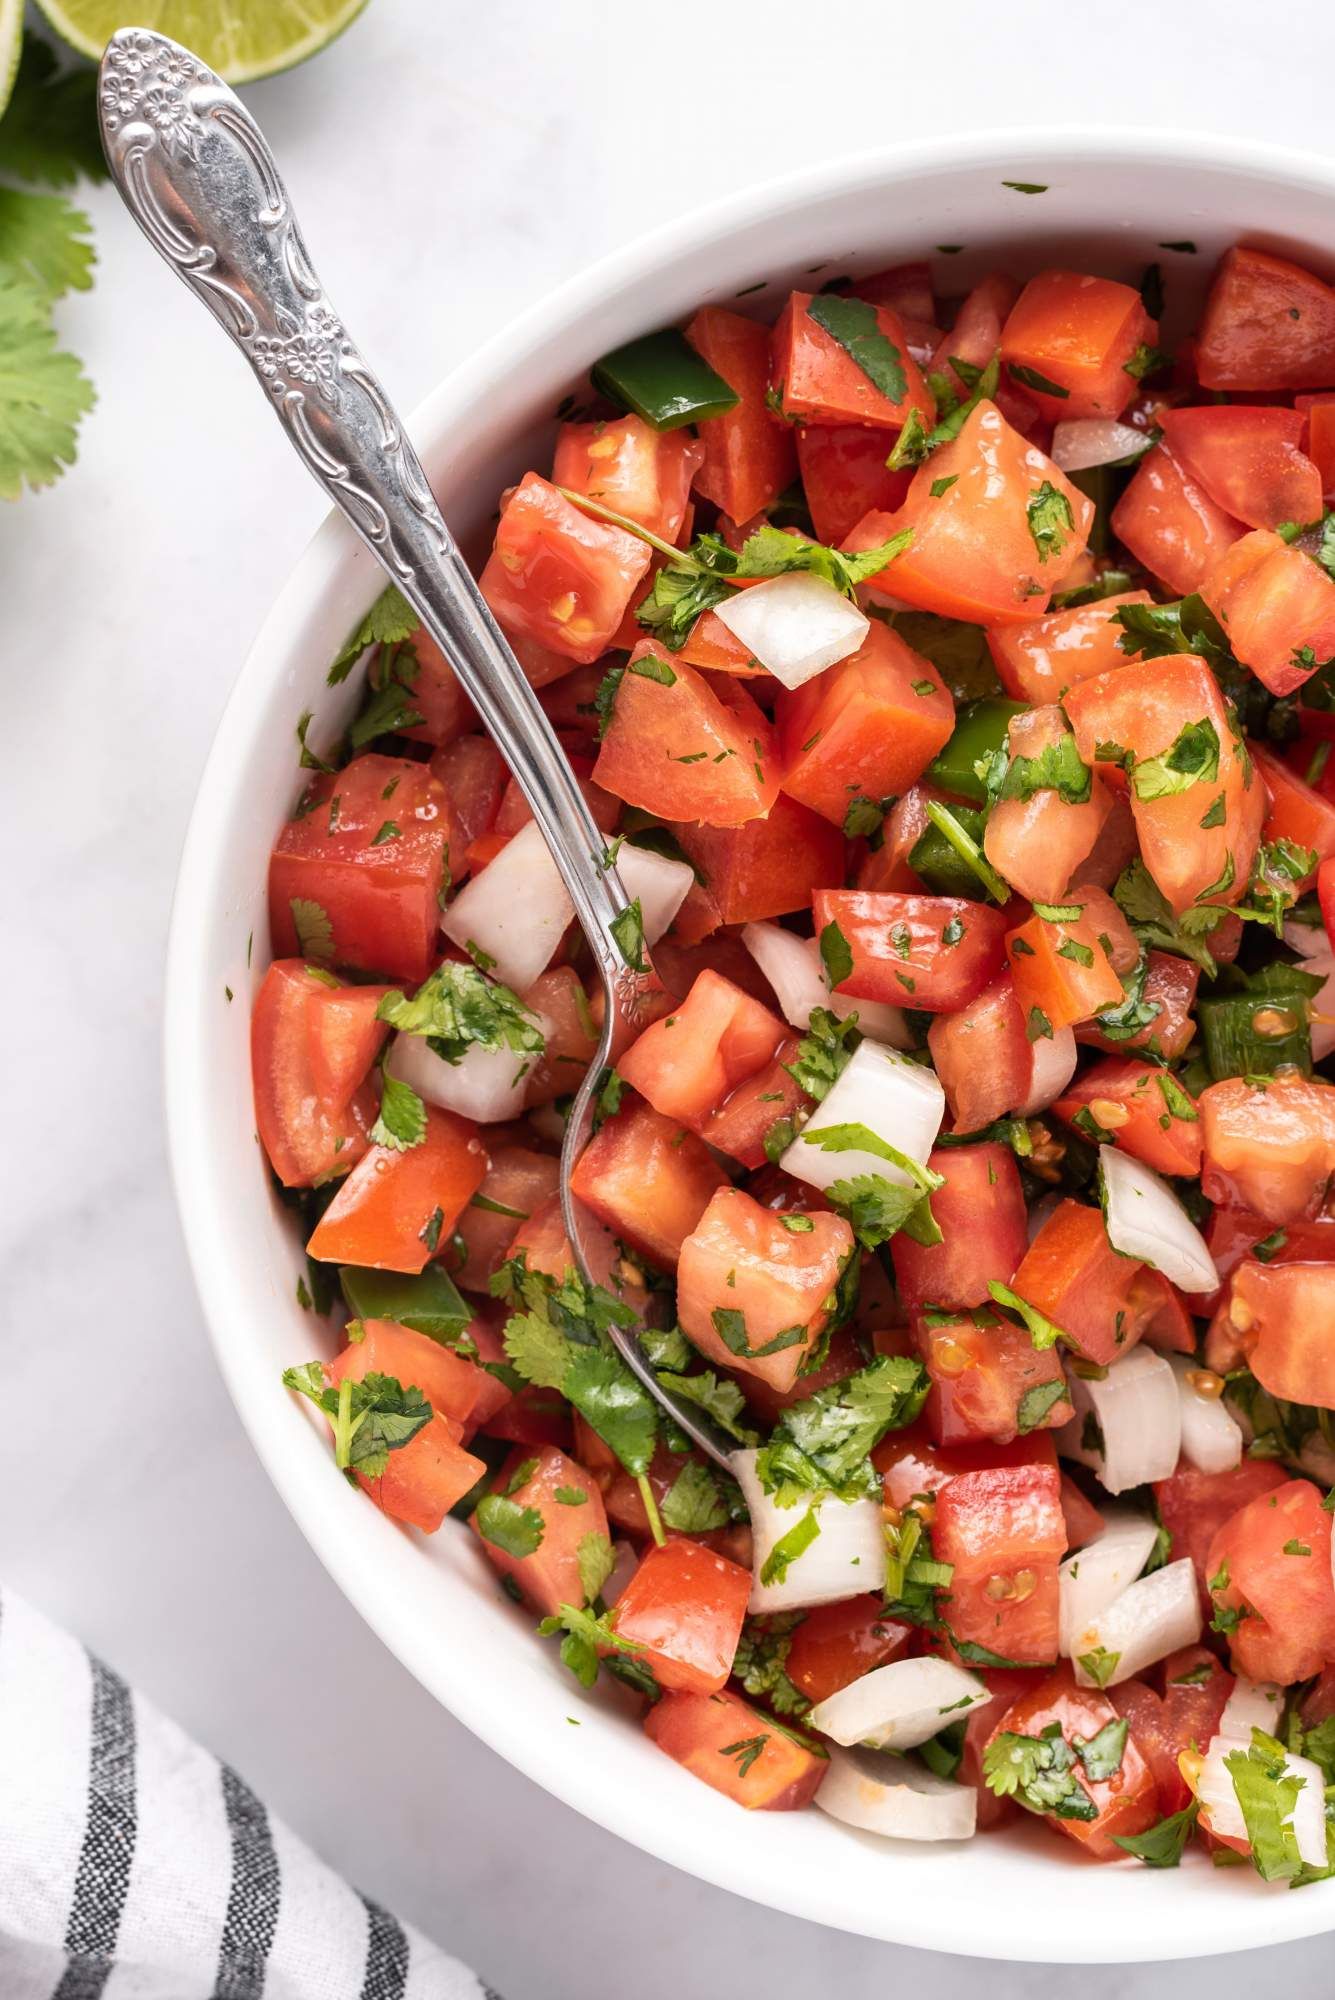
<point>824,1443</point>
<point>458,1008</point>
<point>370,1418</point>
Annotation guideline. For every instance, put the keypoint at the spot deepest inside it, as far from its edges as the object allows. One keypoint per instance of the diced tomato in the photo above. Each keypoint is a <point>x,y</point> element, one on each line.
<point>572,1037</point>
<point>1319,1703</point>
<point>1063,968</point>
<point>437,697</point>
<point>686,748</point>
<point>1267,324</point>
<point>455,1388</point>
<point>515,811</point>
<point>557,575</point>
<point>1183,1718</point>
<point>1084,1523</point>
<point>974,554</point>
<point>738,1750</point>
<point>1285,1317</point>
<point>648,1179</point>
<point>936,953</point>
<point>546,1247</point>
<point>518,1181</point>
<point>976,334</point>
<point>680,965</point>
<point>887,866</point>
<point>1143,709</point>
<point>1080,334</point>
<point>739,1124</point>
<point>689,1062</point>
<point>1076,1279</point>
<point>1233,1233</point>
<point>358,895</point>
<point>424,1478</point>
<point>312,1043</point>
<point>1170,988</point>
<point>472,771</point>
<point>1002,1529</point>
<point>550,1576</point>
<point>1194,1506</point>
<point>1278,608</point>
<point>396,1207</point>
<point>865,728</point>
<point>1038,844</point>
<point>906,287</point>
<point>816,380</point>
<point>1039,660</point>
<point>1142,1109</point>
<point>1268,1146</point>
<point>912,1465</point>
<point>746,1283</point>
<point>1298,813</point>
<point>749,459</point>
<point>683,1611</point>
<point>632,469</point>
<point>1318,438</point>
<point>1127,1802</point>
<point>983,1057</point>
<point>1170,524</point>
<point>838,1643</point>
<point>844,476</point>
<point>1246,456</point>
<point>1271,1562</point>
<point>988,1379</point>
<point>843,1356</point>
<point>1006,1685</point>
<point>768,867</point>
<point>981,1215</point>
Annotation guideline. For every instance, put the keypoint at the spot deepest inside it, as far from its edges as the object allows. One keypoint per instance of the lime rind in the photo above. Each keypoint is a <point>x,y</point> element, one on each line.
<point>240,39</point>
<point>11,46</point>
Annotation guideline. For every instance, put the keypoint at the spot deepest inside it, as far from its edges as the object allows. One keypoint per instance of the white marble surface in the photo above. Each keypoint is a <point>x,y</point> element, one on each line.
<point>452,161</point>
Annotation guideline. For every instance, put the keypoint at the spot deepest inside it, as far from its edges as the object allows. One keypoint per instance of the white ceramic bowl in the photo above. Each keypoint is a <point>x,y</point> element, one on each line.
<point>1111,198</point>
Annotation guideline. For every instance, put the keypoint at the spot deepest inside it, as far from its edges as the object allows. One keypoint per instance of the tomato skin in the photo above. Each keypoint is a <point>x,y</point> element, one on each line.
<point>867,727</point>
<point>384,1213</point>
<point>515,811</point>
<point>980,1212</point>
<point>973,555</point>
<point>1297,813</point>
<point>632,469</point>
<point>1289,1632</point>
<point>770,866</point>
<point>1194,1506</point>
<point>424,1478</point>
<point>937,977</point>
<point>473,774</point>
<point>1267,324</point>
<point>982,1056</point>
<point>1145,1124</point>
<point>1285,1314</point>
<point>683,1608</point>
<point>1170,985</point>
<point>311,1046</point>
<point>1003,1530</point>
<point>1247,458</point>
<point>1074,1276</point>
<point>1063,972</point>
<point>1128,1802</point>
<point>739,1123</point>
<point>911,1464</point>
<point>838,1643</point>
<point>1143,708</point>
<point>1278,607</point>
<point>740,1258</point>
<point>648,1179</point>
<point>1039,660</point>
<point>689,1062</point>
<point>559,577</point>
<point>1170,524</point>
<point>689,750</point>
<point>980,1377</point>
<point>1232,1233</point>
<point>749,459</point>
<point>818,381</point>
<point>549,1577</point>
<point>1269,1150</point>
<point>1079,332</point>
<point>699,1730</point>
<point>844,476</point>
<point>380,896</point>
<point>455,1388</point>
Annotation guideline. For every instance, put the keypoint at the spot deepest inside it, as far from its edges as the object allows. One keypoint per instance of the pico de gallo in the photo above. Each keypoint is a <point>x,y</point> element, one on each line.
<point>952,680</point>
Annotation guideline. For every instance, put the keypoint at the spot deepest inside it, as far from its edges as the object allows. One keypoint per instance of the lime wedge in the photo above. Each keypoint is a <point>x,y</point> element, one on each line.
<point>241,39</point>
<point>11,42</point>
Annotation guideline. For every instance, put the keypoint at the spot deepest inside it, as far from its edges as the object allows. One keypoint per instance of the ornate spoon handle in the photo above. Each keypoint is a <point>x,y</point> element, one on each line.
<point>196,173</point>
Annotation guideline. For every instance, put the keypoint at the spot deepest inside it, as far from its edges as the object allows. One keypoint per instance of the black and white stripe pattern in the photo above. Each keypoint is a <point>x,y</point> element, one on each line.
<point>133,1866</point>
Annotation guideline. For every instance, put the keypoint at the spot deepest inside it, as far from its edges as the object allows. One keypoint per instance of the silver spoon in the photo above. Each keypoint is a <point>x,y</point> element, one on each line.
<point>196,173</point>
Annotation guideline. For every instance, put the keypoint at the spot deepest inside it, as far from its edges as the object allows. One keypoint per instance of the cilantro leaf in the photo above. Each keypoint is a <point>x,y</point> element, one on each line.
<point>760,1663</point>
<point>789,1547</point>
<point>516,1530</point>
<point>585,1633</point>
<point>1042,1331</point>
<point>1164,1844</point>
<point>315,933</point>
<point>1147,910</point>
<point>1058,767</point>
<point>458,1008</point>
<point>1191,759</point>
<point>836,954</point>
<point>730,1326</point>
<point>614,1404</point>
<point>401,1122</point>
<point>693,1504</point>
<point>43,393</point>
<point>878,1209</point>
<point>1101,1754</point>
<point>595,1562</point>
<point>371,1418</point>
<point>43,243</point>
<point>824,1051</point>
<point>721,1401</point>
<point>627,929</point>
<point>1267,1794</point>
<point>1050,520</point>
<point>559,1341</point>
<point>856,327</point>
<point>1035,1404</point>
<point>1036,1772</point>
<point>389,622</point>
<point>826,1440</point>
<point>49,133</point>
<point>1100,1665</point>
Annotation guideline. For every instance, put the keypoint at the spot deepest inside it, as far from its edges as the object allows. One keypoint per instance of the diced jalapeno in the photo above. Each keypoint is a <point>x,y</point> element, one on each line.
<point>664,380</point>
<point>430,1304</point>
<point>980,728</point>
<point>935,861</point>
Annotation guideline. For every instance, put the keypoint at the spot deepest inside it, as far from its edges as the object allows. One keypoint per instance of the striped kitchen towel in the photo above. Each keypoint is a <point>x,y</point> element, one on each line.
<point>134,1866</point>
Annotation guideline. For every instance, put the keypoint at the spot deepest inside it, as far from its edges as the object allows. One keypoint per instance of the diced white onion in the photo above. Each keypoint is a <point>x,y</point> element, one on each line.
<point>900,1101</point>
<point>793,968</point>
<point>486,1084</point>
<point>1095,1577</point>
<point>895,1798</point>
<point>1321,1006</point>
<point>899,1706</point>
<point>517,909</point>
<point>1222,1812</point>
<point>796,625</point>
<point>1081,442</point>
<point>1252,1705</point>
<point>1052,1065</point>
<point>660,884</point>
<point>1211,1434</point>
<point>1145,1219</point>
<point>846,1557</point>
<point>1136,1410</point>
<point>1308,940</point>
<point>1149,1620</point>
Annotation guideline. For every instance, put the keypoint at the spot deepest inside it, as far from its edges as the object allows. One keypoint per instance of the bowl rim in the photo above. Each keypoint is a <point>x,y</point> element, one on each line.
<point>1243,1923</point>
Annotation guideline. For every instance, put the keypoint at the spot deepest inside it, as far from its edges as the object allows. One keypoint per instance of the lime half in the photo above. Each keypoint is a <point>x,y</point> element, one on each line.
<point>11,42</point>
<point>241,39</point>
